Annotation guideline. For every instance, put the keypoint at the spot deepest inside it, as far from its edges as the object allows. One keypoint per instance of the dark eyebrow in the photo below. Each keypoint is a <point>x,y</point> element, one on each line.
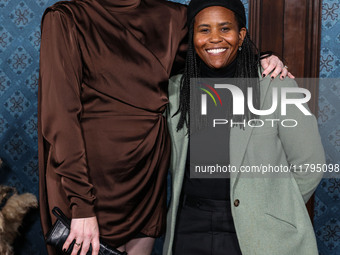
<point>204,25</point>
<point>225,23</point>
<point>220,24</point>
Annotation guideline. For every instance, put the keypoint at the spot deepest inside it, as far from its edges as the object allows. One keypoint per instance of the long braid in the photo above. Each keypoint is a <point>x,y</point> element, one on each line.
<point>190,71</point>
<point>247,67</point>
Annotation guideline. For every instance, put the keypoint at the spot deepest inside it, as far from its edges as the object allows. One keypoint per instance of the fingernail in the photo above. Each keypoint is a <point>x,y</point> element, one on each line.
<point>263,75</point>
<point>64,250</point>
<point>272,78</point>
<point>282,77</point>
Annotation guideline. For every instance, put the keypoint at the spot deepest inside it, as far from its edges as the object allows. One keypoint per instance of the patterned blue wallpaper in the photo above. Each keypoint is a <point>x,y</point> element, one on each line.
<point>19,63</point>
<point>327,198</point>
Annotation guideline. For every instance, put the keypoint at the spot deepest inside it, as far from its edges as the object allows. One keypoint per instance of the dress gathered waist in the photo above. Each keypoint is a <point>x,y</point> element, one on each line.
<point>115,114</point>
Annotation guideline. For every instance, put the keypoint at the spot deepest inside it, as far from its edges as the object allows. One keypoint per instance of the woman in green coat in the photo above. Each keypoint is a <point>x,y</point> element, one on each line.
<point>266,215</point>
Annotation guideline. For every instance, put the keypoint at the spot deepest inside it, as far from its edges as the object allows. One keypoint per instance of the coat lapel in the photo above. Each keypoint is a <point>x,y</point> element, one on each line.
<point>239,138</point>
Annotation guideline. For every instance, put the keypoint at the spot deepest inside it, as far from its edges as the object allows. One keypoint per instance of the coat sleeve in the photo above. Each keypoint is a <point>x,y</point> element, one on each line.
<point>302,144</point>
<point>60,108</point>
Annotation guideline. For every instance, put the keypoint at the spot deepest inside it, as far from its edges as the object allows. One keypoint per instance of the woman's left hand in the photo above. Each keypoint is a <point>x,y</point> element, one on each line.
<point>85,232</point>
<point>274,63</point>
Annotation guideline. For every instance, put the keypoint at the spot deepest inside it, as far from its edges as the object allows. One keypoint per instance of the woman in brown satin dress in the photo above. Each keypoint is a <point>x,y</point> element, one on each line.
<point>103,141</point>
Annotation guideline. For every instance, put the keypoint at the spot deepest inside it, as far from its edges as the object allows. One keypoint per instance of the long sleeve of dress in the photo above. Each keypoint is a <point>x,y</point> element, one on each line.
<point>61,108</point>
<point>183,43</point>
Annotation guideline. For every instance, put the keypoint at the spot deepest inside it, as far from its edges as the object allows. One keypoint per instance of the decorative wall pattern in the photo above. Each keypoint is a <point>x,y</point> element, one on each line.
<point>327,198</point>
<point>19,63</point>
<point>19,68</point>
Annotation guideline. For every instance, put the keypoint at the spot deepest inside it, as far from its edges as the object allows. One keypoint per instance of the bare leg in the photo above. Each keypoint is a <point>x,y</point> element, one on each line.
<point>140,246</point>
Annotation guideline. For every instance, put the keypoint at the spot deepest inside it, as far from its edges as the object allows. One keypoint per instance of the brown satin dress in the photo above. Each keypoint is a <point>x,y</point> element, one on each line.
<point>103,142</point>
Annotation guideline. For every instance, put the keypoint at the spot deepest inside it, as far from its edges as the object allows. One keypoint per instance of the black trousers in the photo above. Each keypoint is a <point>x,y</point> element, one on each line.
<point>205,227</point>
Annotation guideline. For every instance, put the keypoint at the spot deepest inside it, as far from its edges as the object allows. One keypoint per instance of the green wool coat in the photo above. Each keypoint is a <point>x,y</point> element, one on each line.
<point>271,218</point>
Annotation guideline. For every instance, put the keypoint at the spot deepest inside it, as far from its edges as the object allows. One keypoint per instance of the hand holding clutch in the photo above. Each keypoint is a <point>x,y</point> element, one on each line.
<point>60,231</point>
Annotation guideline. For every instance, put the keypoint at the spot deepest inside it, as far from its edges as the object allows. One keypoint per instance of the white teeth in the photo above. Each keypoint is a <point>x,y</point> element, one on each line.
<point>216,51</point>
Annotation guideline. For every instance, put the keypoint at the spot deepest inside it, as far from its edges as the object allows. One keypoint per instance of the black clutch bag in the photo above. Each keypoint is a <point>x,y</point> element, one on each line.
<point>60,231</point>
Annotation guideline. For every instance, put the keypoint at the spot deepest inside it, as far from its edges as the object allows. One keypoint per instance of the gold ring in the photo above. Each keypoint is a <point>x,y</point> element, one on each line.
<point>78,244</point>
<point>286,67</point>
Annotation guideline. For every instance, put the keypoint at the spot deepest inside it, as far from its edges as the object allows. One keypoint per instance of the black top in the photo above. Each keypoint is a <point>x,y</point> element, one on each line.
<point>212,188</point>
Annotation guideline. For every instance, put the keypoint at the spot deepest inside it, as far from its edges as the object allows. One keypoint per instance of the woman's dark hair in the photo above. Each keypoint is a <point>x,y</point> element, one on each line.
<point>247,64</point>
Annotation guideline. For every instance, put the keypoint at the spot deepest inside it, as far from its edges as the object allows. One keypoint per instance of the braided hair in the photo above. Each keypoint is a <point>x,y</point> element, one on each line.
<point>247,64</point>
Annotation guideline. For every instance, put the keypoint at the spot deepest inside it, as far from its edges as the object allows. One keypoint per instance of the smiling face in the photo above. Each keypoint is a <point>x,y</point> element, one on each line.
<point>217,36</point>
